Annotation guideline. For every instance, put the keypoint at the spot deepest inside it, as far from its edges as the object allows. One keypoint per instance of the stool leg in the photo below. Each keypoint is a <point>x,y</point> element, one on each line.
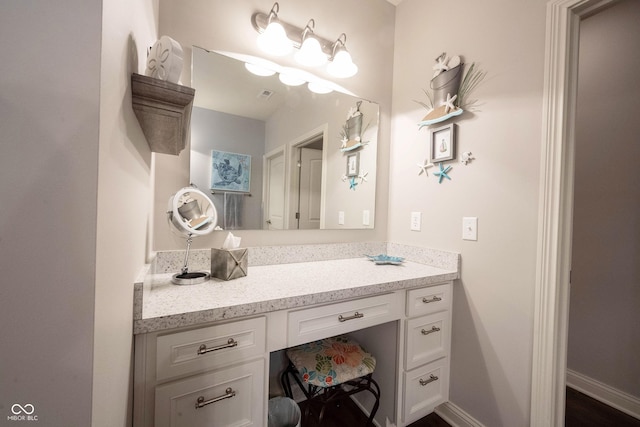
<point>376,394</point>
<point>286,383</point>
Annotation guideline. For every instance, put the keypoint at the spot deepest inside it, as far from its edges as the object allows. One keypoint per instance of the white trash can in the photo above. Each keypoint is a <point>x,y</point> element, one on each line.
<point>283,412</point>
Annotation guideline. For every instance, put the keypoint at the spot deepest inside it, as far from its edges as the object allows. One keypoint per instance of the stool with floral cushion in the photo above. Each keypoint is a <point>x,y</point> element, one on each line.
<point>330,370</point>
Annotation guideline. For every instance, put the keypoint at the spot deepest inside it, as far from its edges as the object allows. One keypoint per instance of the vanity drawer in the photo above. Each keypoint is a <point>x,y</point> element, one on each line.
<point>424,389</point>
<point>211,347</point>
<point>427,339</point>
<point>334,319</point>
<point>428,300</point>
<point>229,397</point>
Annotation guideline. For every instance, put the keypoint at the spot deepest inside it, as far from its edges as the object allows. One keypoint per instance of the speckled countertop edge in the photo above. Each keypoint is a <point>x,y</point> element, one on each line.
<point>264,290</point>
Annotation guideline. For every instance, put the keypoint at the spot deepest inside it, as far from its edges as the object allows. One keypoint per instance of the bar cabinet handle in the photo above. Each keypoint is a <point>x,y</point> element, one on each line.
<point>204,350</point>
<point>229,393</point>
<point>431,379</point>
<point>430,331</point>
<point>356,315</point>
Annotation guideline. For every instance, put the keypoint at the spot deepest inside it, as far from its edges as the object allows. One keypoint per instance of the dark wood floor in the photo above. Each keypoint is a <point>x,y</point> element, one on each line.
<point>349,415</point>
<point>582,411</point>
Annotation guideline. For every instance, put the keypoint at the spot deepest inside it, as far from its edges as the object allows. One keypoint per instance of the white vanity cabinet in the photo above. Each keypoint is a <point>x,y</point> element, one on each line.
<point>427,346</point>
<point>210,375</point>
<point>205,354</point>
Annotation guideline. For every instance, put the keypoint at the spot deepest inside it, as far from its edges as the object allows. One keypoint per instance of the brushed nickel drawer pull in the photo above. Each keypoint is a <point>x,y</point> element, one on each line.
<point>356,315</point>
<point>431,379</point>
<point>430,331</point>
<point>229,393</point>
<point>230,343</point>
<point>434,299</point>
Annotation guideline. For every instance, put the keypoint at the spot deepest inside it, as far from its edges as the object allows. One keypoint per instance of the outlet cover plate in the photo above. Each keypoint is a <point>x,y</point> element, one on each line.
<point>416,221</point>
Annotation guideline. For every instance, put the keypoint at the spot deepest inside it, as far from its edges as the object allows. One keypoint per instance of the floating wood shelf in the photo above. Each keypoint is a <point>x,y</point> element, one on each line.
<point>164,112</point>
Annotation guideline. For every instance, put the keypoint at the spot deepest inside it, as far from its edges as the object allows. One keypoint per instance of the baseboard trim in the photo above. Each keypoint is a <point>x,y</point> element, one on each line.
<point>456,416</point>
<point>620,400</point>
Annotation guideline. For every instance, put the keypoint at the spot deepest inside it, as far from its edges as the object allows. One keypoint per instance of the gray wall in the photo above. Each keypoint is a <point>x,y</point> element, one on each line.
<point>213,130</point>
<point>49,115</point>
<point>493,303</point>
<point>604,338</point>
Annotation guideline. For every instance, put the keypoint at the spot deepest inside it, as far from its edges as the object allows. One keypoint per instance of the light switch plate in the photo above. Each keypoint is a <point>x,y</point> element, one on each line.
<point>340,217</point>
<point>416,221</point>
<point>365,217</point>
<point>470,228</point>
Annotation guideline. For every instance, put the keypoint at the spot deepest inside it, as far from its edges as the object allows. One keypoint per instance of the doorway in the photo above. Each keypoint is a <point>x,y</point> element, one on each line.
<point>556,208</point>
<point>274,189</point>
<point>306,196</point>
<point>603,338</point>
<point>309,185</point>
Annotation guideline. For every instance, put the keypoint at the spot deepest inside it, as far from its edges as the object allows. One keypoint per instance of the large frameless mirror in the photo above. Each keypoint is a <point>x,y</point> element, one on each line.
<point>278,156</point>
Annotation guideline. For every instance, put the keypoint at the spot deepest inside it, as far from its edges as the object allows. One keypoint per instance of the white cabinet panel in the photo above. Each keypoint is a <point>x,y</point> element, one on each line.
<point>225,398</point>
<point>425,388</point>
<point>428,300</point>
<point>211,347</point>
<point>329,320</point>
<point>428,339</point>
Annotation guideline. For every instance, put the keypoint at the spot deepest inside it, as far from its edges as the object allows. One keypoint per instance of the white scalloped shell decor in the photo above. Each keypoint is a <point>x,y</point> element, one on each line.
<point>165,60</point>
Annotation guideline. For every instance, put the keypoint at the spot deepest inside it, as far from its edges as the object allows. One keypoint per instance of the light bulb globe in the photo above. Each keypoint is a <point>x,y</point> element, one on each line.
<point>342,66</point>
<point>274,40</point>
<point>310,53</point>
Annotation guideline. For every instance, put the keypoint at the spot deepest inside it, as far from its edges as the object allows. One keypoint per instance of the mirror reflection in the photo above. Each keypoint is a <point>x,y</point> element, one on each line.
<point>276,156</point>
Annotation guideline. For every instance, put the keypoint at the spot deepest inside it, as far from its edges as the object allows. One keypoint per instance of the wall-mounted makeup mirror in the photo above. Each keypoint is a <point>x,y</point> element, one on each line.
<point>275,156</point>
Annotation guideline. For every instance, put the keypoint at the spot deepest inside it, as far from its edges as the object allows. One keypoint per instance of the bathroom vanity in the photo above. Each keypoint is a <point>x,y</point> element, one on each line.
<point>212,353</point>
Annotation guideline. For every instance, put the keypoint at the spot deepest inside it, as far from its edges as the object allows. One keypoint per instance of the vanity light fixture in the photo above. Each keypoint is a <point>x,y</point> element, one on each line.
<point>273,38</point>
<point>310,52</point>
<point>313,51</point>
<point>341,64</point>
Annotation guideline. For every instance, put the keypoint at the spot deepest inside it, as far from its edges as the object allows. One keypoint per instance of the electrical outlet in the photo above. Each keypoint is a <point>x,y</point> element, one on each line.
<point>340,217</point>
<point>416,221</point>
<point>470,228</point>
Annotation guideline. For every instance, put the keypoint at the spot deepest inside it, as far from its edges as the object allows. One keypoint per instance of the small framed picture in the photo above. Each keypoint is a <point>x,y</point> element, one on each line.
<point>353,164</point>
<point>443,143</point>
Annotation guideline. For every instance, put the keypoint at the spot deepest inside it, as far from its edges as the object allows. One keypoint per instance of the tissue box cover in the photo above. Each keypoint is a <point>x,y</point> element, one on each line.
<point>228,264</point>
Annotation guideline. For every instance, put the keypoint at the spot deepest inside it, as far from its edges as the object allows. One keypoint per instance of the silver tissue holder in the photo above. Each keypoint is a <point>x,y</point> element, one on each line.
<point>229,264</point>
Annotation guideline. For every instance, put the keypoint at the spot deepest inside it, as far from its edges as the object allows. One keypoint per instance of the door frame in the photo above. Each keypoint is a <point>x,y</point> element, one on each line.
<point>553,264</point>
<point>292,182</point>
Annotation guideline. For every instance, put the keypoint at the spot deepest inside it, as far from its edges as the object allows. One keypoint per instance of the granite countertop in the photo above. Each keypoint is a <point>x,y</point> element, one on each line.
<point>160,305</point>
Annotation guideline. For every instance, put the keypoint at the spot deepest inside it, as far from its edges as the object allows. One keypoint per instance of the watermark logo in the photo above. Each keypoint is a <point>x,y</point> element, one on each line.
<point>22,412</point>
<point>18,409</point>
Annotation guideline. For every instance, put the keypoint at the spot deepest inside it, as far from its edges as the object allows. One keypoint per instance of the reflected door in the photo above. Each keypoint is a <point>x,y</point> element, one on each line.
<point>309,205</point>
<point>274,209</point>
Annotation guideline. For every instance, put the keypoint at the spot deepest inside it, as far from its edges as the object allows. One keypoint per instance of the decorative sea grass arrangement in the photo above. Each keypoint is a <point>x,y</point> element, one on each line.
<point>471,78</point>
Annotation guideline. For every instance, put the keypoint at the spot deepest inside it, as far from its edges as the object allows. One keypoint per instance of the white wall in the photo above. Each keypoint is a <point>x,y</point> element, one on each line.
<point>124,197</point>
<point>604,338</point>
<point>493,302</point>
<point>49,114</point>
<point>223,25</point>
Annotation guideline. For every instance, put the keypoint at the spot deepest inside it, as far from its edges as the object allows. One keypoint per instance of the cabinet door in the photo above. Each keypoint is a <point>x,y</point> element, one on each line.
<point>427,339</point>
<point>229,397</point>
<point>425,388</point>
